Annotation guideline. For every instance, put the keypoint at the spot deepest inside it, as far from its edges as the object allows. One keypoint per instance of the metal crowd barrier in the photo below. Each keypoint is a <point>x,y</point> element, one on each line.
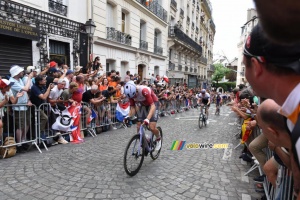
<point>22,115</point>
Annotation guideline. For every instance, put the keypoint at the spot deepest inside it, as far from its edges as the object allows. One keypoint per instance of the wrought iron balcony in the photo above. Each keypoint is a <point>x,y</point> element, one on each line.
<point>118,36</point>
<point>181,13</point>
<point>179,67</point>
<point>171,66</point>
<point>186,68</point>
<point>203,60</point>
<point>57,8</point>
<point>178,34</point>
<point>188,20</point>
<point>155,8</point>
<point>174,3</point>
<point>158,50</point>
<point>191,69</point>
<point>143,45</point>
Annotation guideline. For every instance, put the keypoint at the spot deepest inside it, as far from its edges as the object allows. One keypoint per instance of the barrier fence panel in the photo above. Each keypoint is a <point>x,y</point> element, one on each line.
<point>19,123</point>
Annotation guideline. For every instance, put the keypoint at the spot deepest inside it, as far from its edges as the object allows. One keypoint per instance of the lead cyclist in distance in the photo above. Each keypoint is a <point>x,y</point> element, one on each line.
<point>204,99</point>
<point>144,103</point>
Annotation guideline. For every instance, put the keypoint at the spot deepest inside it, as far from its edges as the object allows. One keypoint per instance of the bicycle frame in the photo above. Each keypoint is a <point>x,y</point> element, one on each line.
<point>143,138</point>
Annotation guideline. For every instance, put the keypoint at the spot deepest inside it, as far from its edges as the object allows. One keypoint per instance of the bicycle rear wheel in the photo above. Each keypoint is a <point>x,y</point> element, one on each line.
<point>154,154</point>
<point>132,159</point>
<point>200,121</point>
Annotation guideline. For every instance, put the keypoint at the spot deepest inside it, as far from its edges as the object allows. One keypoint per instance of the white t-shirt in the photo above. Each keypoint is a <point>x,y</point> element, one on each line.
<point>2,97</point>
<point>55,93</point>
<point>67,83</point>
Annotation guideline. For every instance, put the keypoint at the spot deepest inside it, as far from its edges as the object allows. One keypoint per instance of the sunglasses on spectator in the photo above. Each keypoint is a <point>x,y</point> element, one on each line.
<point>259,58</point>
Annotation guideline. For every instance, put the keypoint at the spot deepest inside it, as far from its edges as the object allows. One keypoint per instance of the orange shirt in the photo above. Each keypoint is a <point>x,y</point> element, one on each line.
<point>108,79</point>
<point>103,87</point>
<point>113,84</point>
<point>117,94</point>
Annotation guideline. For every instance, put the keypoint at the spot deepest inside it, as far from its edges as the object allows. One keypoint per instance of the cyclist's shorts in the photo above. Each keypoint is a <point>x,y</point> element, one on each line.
<point>217,103</point>
<point>143,111</point>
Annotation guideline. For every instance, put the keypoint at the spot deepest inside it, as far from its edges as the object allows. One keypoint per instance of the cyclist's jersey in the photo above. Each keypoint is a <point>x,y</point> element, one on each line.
<point>204,98</point>
<point>145,97</point>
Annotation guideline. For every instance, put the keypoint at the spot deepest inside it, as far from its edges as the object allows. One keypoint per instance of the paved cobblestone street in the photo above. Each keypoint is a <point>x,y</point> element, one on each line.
<point>94,169</point>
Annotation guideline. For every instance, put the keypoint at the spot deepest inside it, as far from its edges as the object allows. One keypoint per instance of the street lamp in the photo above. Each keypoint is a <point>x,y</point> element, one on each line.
<point>90,28</point>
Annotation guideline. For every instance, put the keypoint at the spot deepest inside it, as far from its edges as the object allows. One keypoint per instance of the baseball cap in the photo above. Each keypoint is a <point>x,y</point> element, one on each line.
<point>259,46</point>
<point>52,64</point>
<point>77,68</point>
<point>69,72</point>
<point>4,83</point>
<point>52,70</point>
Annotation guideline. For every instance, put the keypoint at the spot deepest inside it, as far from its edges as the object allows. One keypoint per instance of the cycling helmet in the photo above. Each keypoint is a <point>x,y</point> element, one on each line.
<point>203,91</point>
<point>130,89</point>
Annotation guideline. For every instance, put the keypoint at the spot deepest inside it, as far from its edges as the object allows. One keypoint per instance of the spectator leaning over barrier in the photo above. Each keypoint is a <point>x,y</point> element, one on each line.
<point>22,115</point>
<point>6,95</point>
<point>67,94</point>
<point>274,129</point>
<point>39,95</point>
<point>280,66</point>
<point>93,96</point>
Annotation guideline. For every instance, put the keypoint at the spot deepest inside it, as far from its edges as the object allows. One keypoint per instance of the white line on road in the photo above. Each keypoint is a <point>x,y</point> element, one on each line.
<point>246,197</point>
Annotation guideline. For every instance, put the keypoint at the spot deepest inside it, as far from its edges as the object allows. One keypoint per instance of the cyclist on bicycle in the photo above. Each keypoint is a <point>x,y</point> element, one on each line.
<point>144,103</point>
<point>218,101</point>
<point>204,99</point>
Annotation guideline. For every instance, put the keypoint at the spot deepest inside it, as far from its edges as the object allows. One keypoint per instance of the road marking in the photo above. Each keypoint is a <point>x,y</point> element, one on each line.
<point>246,197</point>
<point>244,178</point>
<point>227,152</point>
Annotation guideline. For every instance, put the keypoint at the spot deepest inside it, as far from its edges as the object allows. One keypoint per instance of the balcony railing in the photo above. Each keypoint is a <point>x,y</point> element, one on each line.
<point>57,8</point>
<point>174,3</point>
<point>158,50</point>
<point>118,36</point>
<point>155,8</point>
<point>143,45</point>
<point>186,68</point>
<point>179,67</point>
<point>178,34</point>
<point>203,60</point>
<point>181,13</point>
<point>171,66</point>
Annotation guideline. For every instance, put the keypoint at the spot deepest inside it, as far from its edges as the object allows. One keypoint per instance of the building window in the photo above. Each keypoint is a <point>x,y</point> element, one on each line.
<point>157,42</point>
<point>110,17</point>
<point>123,22</point>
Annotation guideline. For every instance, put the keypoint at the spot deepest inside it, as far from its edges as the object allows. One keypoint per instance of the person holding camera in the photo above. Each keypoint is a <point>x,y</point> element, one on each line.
<point>39,95</point>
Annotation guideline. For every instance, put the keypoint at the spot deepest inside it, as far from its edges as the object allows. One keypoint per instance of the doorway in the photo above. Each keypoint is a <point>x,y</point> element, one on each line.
<point>141,71</point>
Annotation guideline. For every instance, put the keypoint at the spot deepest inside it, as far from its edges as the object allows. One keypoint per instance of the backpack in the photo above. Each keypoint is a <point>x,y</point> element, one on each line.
<point>7,152</point>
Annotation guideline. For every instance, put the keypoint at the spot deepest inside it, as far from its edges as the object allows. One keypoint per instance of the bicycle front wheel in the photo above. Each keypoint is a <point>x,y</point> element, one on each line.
<point>133,160</point>
<point>155,153</point>
<point>200,121</point>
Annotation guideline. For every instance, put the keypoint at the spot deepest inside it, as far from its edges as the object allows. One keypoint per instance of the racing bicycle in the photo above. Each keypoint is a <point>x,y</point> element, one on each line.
<point>139,146</point>
<point>202,117</point>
